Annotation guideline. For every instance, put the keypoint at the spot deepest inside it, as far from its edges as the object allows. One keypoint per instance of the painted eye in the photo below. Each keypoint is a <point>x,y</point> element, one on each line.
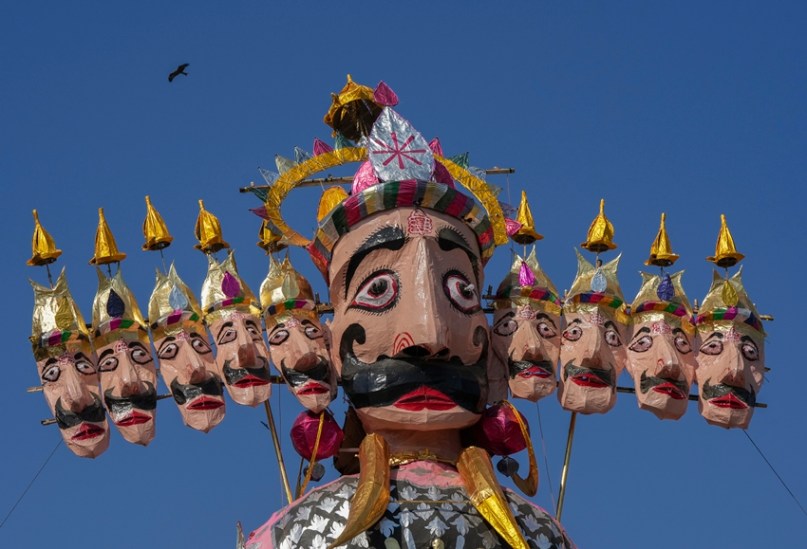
<point>505,327</point>
<point>52,373</point>
<point>573,333</point>
<point>642,344</point>
<point>278,337</point>
<point>84,366</point>
<point>546,330</point>
<point>226,336</point>
<point>682,344</point>
<point>108,364</point>
<point>140,355</point>
<point>713,347</point>
<point>313,332</point>
<point>460,292</point>
<point>200,345</point>
<point>612,338</point>
<point>750,351</point>
<point>254,331</point>
<point>377,293</point>
<point>169,351</point>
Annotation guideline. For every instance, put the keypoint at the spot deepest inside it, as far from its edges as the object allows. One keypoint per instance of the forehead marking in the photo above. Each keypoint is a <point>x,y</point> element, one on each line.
<point>660,327</point>
<point>418,223</point>
<point>525,312</point>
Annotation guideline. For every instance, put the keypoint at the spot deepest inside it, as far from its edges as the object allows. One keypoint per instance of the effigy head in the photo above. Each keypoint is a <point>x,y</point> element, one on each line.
<point>592,353</point>
<point>297,339</point>
<point>661,357</point>
<point>527,326</point>
<point>67,368</point>
<point>731,358</point>
<point>187,364</point>
<point>232,313</point>
<point>125,364</point>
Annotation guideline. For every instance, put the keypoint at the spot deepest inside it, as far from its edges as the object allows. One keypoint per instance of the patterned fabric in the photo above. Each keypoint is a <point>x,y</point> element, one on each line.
<point>427,503</point>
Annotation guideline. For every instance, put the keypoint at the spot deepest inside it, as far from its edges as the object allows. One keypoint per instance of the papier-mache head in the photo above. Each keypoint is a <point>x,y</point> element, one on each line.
<point>66,364</point>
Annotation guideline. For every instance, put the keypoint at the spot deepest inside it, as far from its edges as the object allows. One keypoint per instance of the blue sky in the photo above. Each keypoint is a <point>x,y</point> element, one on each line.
<point>688,108</point>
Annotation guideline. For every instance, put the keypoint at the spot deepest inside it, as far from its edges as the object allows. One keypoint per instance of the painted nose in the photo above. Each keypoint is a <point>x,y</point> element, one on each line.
<point>528,341</point>
<point>195,370</point>
<point>246,354</point>
<point>666,357</point>
<point>78,396</point>
<point>130,383</point>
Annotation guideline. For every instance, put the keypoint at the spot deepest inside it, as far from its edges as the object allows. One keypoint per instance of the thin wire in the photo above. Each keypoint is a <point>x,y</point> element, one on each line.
<point>546,461</point>
<point>42,468</point>
<point>792,495</point>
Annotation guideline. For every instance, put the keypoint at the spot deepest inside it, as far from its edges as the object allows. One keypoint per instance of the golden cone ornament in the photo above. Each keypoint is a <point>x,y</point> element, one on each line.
<point>208,231</point>
<point>154,229</point>
<point>43,248</point>
<point>269,240</point>
<point>600,235</point>
<point>330,198</point>
<point>526,234</point>
<point>661,254</point>
<point>106,250</point>
<point>726,255</point>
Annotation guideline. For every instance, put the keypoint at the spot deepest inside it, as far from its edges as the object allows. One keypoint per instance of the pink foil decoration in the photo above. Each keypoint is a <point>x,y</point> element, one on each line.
<point>511,226</point>
<point>526,278</point>
<point>304,435</point>
<point>436,147</point>
<point>365,177</point>
<point>230,285</point>
<point>498,431</point>
<point>321,147</point>
<point>384,96</point>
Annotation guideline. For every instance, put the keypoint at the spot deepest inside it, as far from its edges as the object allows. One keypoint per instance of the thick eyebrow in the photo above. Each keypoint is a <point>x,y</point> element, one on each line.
<point>165,342</point>
<point>640,331</point>
<point>227,324</point>
<point>389,238</point>
<point>449,239</point>
<point>714,334</point>
<point>610,324</point>
<point>679,331</point>
<point>748,338</point>
<point>545,316</point>
<point>105,353</point>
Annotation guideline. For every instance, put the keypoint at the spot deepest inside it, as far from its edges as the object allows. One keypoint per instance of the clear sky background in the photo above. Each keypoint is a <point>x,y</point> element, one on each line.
<point>689,108</point>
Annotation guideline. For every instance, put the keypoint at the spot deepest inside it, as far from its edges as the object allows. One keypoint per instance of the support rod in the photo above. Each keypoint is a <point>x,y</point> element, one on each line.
<point>566,458</point>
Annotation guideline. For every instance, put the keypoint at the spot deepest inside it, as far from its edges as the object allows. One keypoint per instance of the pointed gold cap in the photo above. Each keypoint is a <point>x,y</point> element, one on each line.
<point>208,231</point>
<point>285,290</point>
<point>526,234</point>
<point>223,290</point>
<point>600,235</point>
<point>726,255</point>
<point>154,229</point>
<point>344,116</point>
<point>115,309</point>
<point>57,319</point>
<point>663,294</point>
<point>661,254</point>
<point>106,250</point>
<point>527,283</point>
<point>172,304</point>
<point>43,247</point>
<point>268,239</point>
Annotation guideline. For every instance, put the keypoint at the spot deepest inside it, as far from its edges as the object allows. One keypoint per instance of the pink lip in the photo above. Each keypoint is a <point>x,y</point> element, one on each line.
<point>312,388</point>
<point>729,400</point>
<point>205,403</point>
<point>534,371</point>
<point>249,381</point>
<point>88,431</point>
<point>425,398</point>
<point>670,390</point>
<point>135,418</point>
<point>586,380</point>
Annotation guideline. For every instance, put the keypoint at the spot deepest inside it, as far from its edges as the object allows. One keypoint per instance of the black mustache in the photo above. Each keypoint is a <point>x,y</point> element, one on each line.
<point>518,366</point>
<point>186,393</point>
<point>719,390</point>
<point>142,401</point>
<point>234,375</point>
<point>94,413</point>
<point>297,378</point>
<point>606,376</point>
<point>648,382</point>
<point>386,380</point>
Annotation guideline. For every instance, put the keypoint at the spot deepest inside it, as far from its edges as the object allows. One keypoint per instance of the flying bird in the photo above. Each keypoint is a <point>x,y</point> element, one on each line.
<point>179,70</point>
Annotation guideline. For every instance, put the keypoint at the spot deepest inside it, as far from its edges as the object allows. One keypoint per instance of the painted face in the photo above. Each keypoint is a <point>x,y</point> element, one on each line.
<point>70,383</point>
<point>299,351</point>
<point>592,355</point>
<point>242,358</point>
<point>188,368</point>
<point>527,341</point>
<point>128,381</point>
<point>731,366</point>
<point>410,339</point>
<point>661,361</point>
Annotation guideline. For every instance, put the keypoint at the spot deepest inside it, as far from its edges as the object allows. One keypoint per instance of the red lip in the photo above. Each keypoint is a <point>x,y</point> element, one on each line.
<point>135,418</point>
<point>425,398</point>
<point>670,390</point>
<point>534,371</point>
<point>589,380</point>
<point>729,400</point>
<point>88,431</point>
<point>249,381</point>
<point>205,403</point>
<point>312,388</point>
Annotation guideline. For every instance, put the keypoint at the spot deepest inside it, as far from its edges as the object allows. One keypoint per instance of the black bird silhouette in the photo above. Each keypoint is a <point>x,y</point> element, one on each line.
<point>179,70</point>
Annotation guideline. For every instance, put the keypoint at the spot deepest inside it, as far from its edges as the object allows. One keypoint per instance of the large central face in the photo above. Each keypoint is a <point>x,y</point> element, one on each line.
<point>592,356</point>
<point>661,361</point>
<point>410,339</point>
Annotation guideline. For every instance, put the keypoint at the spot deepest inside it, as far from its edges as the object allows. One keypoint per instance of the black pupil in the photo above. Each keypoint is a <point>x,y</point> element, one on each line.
<point>465,290</point>
<point>378,287</point>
